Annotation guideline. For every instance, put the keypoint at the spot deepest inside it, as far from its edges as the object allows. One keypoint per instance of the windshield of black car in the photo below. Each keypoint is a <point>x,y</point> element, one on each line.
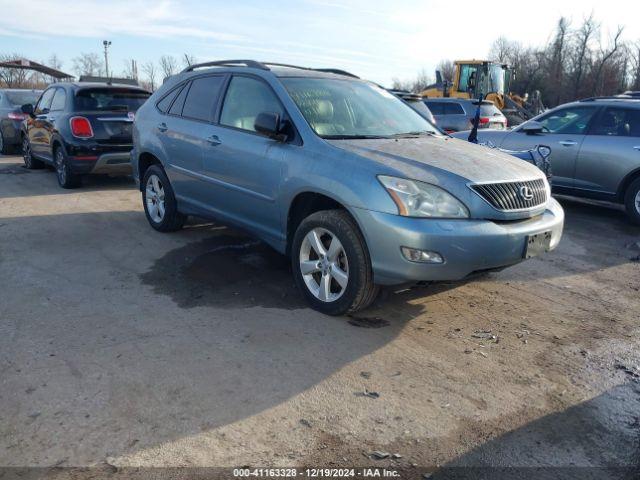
<point>343,109</point>
<point>110,99</point>
<point>18,99</point>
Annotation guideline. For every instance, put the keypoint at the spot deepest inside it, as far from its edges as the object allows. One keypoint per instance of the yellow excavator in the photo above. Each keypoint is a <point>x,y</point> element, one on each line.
<point>475,79</point>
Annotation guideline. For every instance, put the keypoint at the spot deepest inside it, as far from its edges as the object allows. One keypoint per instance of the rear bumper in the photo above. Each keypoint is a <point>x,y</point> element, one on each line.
<point>96,158</point>
<point>467,246</point>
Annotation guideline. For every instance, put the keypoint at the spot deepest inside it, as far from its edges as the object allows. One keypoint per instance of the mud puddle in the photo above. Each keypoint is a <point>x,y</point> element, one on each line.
<point>227,270</point>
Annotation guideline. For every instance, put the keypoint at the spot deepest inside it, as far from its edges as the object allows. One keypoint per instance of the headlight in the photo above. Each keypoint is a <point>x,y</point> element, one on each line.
<point>418,199</point>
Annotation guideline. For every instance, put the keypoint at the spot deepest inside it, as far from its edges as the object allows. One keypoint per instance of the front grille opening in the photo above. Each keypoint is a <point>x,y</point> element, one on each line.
<point>513,196</point>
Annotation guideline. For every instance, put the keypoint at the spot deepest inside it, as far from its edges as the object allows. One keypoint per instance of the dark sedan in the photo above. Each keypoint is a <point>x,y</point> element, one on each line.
<point>11,116</point>
<point>81,128</point>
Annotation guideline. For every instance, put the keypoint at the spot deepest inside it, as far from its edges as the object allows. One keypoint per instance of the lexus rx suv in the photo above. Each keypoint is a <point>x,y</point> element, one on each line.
<point>81,128</point>
<point>337,173</point>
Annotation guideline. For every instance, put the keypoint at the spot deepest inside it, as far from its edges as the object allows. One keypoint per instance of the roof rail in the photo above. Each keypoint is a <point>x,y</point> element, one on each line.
<point>227,63</point>
<point>337,71</point>
<point>624,96</point>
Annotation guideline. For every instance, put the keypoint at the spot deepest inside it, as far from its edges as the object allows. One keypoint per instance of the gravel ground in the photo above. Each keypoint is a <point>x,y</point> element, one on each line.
<point>122,347</point>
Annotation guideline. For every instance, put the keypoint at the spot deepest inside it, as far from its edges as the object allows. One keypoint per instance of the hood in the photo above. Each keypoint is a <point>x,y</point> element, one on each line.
<point>485,135</point>
<point>435,159</point>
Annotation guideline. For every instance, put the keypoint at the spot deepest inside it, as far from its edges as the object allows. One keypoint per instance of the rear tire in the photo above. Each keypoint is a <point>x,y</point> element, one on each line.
<point>338,278</point>
<point>66,178</point>
<point>4,148</point>
<point>29,162</point>
<point>160,205</point>
<point>632,201</point>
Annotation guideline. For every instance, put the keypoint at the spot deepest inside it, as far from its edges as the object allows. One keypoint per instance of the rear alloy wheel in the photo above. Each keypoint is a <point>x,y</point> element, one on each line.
<point>632,201</point>
<point>159,202</point>
<point>331,263</point>
<point>66,178</point>
<point>29,162</point>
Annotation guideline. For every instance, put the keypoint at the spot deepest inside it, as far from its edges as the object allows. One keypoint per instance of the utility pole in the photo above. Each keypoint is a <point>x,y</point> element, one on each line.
<point>106,44</point>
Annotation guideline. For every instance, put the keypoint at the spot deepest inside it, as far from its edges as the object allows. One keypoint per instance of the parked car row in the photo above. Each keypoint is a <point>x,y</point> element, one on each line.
<point>595,148</point>
<point>81,128</point>
<point>11,116</point>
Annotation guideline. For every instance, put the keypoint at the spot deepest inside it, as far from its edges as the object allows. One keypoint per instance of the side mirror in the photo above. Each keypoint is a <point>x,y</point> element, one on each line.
<point>28,109</point>
<point>532,128</point>
<point>268,124</point>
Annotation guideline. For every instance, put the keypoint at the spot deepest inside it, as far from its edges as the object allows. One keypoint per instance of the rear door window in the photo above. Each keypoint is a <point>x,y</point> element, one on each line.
<point>617,122</point>
<point>202,98</point>
<point>451,108</point>
<point>59,100</point>
<point>246,98</point>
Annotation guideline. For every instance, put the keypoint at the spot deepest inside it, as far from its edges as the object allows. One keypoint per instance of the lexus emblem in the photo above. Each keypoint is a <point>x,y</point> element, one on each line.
<point>526,193</point>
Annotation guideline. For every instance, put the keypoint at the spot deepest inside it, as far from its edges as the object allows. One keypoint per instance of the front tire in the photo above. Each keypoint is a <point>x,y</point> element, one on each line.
<point>632,201</point>
<point>160,205</point>
<point>27,156</point>
<point>331,263</point>
<point>4,148</point>
<point>66,178</point>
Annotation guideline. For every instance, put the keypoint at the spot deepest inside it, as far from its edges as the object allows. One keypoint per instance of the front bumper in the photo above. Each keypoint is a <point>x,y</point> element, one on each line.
<point>467,246</point>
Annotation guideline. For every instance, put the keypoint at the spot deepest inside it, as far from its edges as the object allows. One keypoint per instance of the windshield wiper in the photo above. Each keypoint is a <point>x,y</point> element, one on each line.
<point>353,137</point>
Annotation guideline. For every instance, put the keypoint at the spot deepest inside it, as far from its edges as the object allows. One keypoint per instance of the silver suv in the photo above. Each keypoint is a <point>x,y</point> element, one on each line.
<point>595,148</point>
<point>339,174</point>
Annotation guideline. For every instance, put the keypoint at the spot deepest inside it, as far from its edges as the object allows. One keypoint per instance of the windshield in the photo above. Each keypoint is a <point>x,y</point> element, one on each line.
<point>22,98</point>
<point>110,99</point>
<point>496,79</point>
<point>342,109</point>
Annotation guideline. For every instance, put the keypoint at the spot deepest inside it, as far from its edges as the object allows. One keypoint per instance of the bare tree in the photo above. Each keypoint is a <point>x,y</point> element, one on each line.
<point>130,69</point>
<point>149,69</point>
<point>583,39</point>
<point>188,60</point>
<point>168,65</point>
<point>13,77</point>
<point>557,55</point>
<point>502,50</point>
<point>447,70</point>
<point>88,64</point>
<point>634,52</point>
<point>605,56</point>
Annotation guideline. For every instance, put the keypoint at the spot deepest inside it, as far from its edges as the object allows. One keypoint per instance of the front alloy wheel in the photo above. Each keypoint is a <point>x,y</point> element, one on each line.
<point>331,264</point>
<point>324,265</point>
<point>632,201</point>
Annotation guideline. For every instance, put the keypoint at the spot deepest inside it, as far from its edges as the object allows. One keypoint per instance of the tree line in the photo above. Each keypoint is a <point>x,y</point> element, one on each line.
<point>579,61</point>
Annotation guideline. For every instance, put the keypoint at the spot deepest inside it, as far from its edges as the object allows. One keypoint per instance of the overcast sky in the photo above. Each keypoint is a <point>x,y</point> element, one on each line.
<point>377,40</point>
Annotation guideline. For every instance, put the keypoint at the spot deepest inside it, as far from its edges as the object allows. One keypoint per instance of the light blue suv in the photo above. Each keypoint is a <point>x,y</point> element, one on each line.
<point>339,174</point>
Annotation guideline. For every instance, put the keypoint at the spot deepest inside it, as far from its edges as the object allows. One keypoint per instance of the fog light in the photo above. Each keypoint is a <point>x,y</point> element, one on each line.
<point>421,256</point>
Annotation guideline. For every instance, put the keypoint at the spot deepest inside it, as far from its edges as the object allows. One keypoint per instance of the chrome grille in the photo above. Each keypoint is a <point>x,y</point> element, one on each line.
<point>510,196</point>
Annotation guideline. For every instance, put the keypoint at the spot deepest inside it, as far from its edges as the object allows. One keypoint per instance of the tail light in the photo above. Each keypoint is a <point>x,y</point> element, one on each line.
<point>17,116</point>
<point>484,120</point>
<point>81,127</point>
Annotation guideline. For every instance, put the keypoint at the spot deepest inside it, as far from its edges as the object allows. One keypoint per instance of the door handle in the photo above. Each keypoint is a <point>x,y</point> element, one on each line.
<point>163,127</point>
<point>214,140</point>
<point>567,143</point>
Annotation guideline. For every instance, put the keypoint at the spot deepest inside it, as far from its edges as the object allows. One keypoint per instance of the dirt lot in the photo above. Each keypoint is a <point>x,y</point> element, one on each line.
<point>120,346</point>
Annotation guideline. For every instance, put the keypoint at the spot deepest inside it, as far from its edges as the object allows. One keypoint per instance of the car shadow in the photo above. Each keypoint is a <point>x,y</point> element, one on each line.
<point>48,185</point>
<point>598,439</point>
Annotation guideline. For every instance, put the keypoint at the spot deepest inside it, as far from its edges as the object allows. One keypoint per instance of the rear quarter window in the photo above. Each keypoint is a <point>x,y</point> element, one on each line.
<point>436,107</point>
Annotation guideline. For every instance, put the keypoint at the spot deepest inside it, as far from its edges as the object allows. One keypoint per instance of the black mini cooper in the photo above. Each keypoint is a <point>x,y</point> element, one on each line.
<point>81,128</point>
